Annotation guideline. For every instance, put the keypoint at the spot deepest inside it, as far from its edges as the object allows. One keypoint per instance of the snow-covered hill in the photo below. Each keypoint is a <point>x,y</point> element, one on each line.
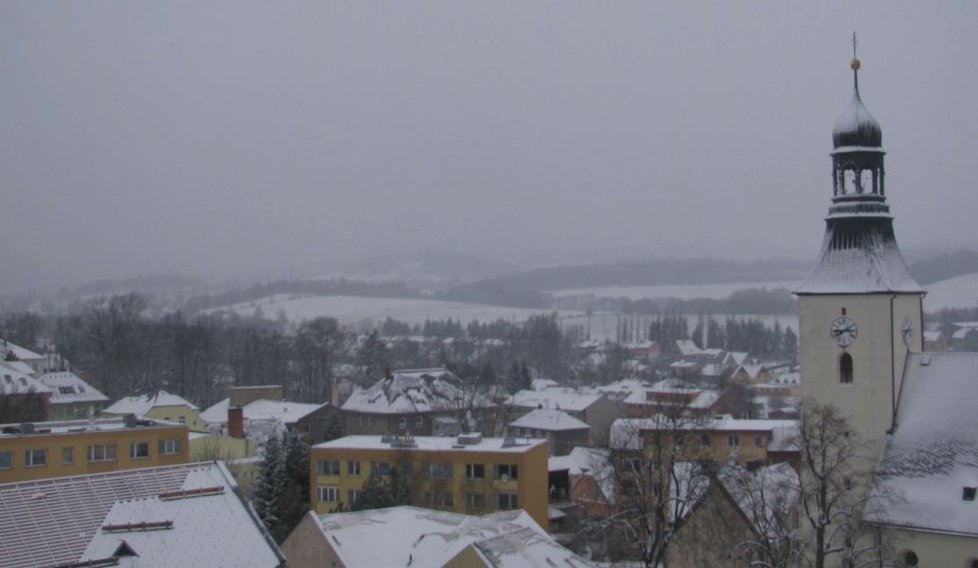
<point>957,292</point>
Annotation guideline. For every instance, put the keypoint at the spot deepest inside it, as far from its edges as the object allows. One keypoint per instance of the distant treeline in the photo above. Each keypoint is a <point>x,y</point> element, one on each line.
<point>943,267</point>
<point>758,301</point>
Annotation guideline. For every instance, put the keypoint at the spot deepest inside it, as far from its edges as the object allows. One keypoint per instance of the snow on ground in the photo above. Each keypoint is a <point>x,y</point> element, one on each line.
<point>681,291</point>
<point>957,292</point>
<point>354,309</point>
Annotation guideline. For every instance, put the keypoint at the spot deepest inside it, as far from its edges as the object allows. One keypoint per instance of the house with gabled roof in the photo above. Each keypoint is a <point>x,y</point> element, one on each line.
<point>180,515</point>
<point>409,401</point>
<point>423,538</point>
<point>593,408</point>
<point>160,405</point>
<point>22,397</point>
<point>72,397</point>
<point>13,353</point>
<point>562,431</point>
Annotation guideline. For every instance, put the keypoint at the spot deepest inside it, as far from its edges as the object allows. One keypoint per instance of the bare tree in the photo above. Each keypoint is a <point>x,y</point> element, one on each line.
<point>659,466</point>
<point>835,480</point>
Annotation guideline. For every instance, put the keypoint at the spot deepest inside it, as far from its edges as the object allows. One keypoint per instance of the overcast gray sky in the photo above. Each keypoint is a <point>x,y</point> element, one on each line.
<point>237,139</point>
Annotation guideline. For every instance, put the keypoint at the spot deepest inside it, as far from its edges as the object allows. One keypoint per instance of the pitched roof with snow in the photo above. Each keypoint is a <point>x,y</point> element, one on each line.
<point>550,420</point>
<point>142,404</point>
<point>262,409</point>
<point>20,353</point>
<point>432,444</point>
<point>181,515</point>
<point>557,398</point>
<point>68,388</point>
<point>19,366</point>
<point>13,382</point>
<point>421,537</point>
<point>526,548</point>
<point>412,391</point>
<point>932,454</point>
<point>625,431</point>
<point>593,462</point>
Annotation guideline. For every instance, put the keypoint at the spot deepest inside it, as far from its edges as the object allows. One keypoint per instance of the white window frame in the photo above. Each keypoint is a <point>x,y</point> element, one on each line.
<point>470,471</point>
<point>512,501</point>
<point>7,463</point>
<point>171,446</point>
<point>36,457</point>
<point>134,450</point>
<point>733,440</point>
<point>328,467</point>
<point>511,471</point>
<point>95,449</point>
<point>440,470</point>
<point>68,451</point>
<point>327,493</point>
<point>353,468</point>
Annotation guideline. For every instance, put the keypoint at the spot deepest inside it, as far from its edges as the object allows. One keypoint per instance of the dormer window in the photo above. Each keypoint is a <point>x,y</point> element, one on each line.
<point>968,494</point>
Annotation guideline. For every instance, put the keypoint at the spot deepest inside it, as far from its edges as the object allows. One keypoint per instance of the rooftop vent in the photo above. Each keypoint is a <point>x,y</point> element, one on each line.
<point>925,360</point>
<point>470,439</point>
<point>968,494</point>
<point>27,428</point>
<point>129,420</point>
<point>509,442</point>
<point>405,441</point>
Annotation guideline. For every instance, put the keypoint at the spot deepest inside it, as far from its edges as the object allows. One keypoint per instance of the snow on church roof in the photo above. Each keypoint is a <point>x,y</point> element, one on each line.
<point>87,517</point>
<point>932,455</point>
<point>876,266</point>
<point>411,391</point>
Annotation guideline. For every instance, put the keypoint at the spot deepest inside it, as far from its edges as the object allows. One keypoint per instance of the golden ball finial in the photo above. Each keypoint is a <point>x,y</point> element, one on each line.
<point>854,65</point>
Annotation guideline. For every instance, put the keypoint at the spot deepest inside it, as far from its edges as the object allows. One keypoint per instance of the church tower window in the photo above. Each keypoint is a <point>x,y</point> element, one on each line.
<point>845,369</point>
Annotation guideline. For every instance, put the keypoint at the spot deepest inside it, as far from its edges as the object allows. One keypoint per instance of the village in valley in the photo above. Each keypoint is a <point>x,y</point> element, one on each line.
<point>825,420</point>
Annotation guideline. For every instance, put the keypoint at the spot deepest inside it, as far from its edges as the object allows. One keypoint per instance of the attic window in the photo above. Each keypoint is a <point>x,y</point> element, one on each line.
<point>969,493</point>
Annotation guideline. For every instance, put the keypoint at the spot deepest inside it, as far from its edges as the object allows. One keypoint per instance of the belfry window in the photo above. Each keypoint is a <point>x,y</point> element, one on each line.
<point>845,369</point>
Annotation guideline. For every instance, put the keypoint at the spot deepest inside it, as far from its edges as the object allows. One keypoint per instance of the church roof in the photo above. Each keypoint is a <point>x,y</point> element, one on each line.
<point>856,128</point>
<point>932,455</point>
<point>874,265</point>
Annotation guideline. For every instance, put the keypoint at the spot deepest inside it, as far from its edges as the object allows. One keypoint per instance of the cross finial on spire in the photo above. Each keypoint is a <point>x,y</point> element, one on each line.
<point>854,65</point>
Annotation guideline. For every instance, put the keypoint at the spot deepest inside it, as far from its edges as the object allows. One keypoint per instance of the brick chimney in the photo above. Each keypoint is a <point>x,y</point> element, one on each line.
<point>236,422</point>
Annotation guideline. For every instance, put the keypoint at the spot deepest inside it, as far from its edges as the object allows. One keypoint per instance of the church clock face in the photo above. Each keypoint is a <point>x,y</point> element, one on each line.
<point>843,330</point>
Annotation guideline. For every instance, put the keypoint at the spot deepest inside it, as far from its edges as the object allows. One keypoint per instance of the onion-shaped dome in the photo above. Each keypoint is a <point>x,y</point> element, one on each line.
<point>856,127</point>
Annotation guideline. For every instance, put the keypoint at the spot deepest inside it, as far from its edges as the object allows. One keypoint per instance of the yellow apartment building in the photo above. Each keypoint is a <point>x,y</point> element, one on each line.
<point>42,450</point>
<point>465,474</point>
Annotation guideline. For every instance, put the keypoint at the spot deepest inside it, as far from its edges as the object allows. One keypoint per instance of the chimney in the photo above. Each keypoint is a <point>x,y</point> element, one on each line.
<point>236,422</point>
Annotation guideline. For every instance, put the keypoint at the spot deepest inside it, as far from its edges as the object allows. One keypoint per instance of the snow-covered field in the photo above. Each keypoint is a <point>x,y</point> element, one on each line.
<point>957,292</point>
<point>350,310</point>
<point>681,291</point>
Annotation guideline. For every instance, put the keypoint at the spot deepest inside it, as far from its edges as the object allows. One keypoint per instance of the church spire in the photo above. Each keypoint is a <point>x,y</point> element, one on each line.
<point>859,253</point>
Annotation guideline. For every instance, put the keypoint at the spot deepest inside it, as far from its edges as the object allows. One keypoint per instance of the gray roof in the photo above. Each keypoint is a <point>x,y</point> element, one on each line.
<point>933,452</point>
<point>87,517</point>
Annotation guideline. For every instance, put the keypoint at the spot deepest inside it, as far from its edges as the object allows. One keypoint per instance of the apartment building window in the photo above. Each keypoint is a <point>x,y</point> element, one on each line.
<point>170,447</point>
<point>139,450</point>
<point>352,496</point>
<point>352,468</point>
<point>440,471</point>
<point>101,453</point>
<point>6,460</point>
<point>419,422</point>
<point>733,440</point>
<point>68,456</point>
<point>36,458</point>
<point>704,440</point>
<point>327,494</point>
<point>475,471</point>
<point>380,468</point>
<point>183,420</point>
<point>328,467</point>
<point>505,472</point>
<point>475,501</point>
<point>758,441</point>
<point>507,501</point>
<point>439,499</point>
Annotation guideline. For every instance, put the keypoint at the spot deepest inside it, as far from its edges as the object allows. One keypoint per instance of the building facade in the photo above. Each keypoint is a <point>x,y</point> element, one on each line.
<point>468,474</point>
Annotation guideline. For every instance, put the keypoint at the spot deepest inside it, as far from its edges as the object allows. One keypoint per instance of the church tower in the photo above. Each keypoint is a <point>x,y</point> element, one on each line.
<point>860,309</point>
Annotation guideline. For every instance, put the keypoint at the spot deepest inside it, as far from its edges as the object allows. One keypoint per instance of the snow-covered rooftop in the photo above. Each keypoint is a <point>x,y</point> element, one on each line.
<point>419,537</point>
<point>88,517</point>
<point>13,382</point>
<point>875,266</point>
<point>433,444</point>
<point>142,404</point>
<point>67,388</point>
<point>594,462</point>
<point>20,353</point>
<point>550,420</point>
<point>557,398</point>
<point>543,384</point>
<point>19,366</point>
<point>526,548</point>
<point>625,431</point>
<point>77,426</point>
<point>262,409</point>
<point>932,454</point>
<point>412,391</point>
